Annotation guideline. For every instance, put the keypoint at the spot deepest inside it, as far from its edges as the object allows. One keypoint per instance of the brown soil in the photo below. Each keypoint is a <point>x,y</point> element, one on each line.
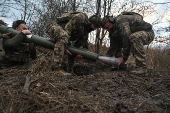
<point>94,87</point>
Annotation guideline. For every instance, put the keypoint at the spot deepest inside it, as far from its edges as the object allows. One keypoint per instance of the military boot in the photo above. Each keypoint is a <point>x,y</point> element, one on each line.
<point>139,71</point>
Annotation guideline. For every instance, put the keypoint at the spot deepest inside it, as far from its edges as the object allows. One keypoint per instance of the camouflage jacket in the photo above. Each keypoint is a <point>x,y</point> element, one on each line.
<point>1,45</point>
<point>1,35</point>
<point>16,50</point>
<point>124,26</point>
<point>75,28</point>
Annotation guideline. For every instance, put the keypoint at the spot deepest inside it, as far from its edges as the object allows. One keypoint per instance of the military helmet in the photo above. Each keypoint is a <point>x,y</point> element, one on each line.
<point>2,22</point>
<point>107,19</point>
<point>96,20</point>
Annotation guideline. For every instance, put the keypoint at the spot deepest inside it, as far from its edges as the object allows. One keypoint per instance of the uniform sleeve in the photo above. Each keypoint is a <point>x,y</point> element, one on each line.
<point>76,23</point>
<point>15,41</point>
<point>56,31</point>
<point>85,41</point>
<point>1,35</point>
<point>125,31</point>
<point>113,46</point>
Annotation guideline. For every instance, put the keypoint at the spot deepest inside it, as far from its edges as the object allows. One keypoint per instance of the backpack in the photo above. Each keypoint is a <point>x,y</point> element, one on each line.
<point>139,21</point>
<point>132,13</point>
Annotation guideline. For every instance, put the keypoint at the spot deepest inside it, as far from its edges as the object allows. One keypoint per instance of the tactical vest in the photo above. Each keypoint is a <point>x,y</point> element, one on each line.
<point>1,48</point>
<point>77,35</point>
<point>19,54</point>
<point>137,23</point>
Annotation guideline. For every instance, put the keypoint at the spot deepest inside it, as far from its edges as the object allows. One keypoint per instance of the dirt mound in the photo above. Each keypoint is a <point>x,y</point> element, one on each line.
<point>94,87</point>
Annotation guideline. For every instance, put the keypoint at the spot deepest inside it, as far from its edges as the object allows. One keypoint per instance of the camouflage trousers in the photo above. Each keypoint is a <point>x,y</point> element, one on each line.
<point>61,38</point>
<point>138,40</point>
<point>70,64</point>
<point>71,58</point>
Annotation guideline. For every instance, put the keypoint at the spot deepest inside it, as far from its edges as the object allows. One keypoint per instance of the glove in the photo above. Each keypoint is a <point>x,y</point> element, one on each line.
<point>79,57</point>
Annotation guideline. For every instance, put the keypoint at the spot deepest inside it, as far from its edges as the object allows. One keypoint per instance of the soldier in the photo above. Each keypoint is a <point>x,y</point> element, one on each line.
<point>5,35</point>
<point>71,29</point>
<point>128,32</point>
<point>16,50</point>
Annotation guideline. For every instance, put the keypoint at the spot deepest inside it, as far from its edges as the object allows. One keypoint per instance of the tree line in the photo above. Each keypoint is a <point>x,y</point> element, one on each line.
<point>39,13</point>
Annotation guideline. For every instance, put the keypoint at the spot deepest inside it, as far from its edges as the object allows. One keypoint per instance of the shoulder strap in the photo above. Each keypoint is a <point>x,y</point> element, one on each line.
<point>65,17</point>
<point>136,15</point>
<point>129,13</point>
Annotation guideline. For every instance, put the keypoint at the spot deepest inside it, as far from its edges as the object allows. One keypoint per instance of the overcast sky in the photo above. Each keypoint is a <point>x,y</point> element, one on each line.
<point>161,9</point>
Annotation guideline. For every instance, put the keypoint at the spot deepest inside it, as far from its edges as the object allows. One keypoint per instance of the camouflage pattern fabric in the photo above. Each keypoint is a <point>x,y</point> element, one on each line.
<point>76,23</point>
<point>61,38</point>
<point>70,64</point>
<point>59,51</point>
<point>130,31</point>
<point>79,37</point>
<point>17,52</point>
<point>1,39</point>
<point>13,52</point>
<point>70,32</point>
<point>138,40</point>
<point>115,45</point>
<point>71,59</point>
<point>1,47</point>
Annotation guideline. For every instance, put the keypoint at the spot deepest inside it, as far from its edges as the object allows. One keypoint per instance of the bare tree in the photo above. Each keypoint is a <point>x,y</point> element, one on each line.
<point>98,10</point>
<point>18,10</point>
<point>49,11</point>
<point>39,14</point>
<point>100,34</point>
<point>74,5</point>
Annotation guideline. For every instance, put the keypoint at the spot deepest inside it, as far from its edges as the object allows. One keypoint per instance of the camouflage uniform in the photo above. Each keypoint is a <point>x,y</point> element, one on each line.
<point>1,47</point>
<point>17,52</point>
<point>1,39</point>
<point>71,32</point>
<point>130,32</point>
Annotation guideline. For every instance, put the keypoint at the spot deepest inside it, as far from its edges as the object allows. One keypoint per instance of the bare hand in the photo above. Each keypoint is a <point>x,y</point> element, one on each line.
<point>122,62</point>
<point>26,32</point>
<point>32,45</point>
<point>5,35</point>
<point>66,52</point>
<point>79,57</point>
<point>105,62</point>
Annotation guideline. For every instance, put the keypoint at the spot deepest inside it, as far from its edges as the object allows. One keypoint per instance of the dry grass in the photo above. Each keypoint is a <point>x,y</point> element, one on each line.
<point>101,92</point>
<point>158,59</point>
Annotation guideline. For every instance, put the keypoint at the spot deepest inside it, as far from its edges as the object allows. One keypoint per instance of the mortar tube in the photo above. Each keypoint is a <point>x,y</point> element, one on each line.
<point>47,43</point>
<point>110,60</point>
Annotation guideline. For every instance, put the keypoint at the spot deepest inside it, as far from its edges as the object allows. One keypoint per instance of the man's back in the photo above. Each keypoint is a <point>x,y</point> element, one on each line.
<point>1,48</point>
<point>134,20</point>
